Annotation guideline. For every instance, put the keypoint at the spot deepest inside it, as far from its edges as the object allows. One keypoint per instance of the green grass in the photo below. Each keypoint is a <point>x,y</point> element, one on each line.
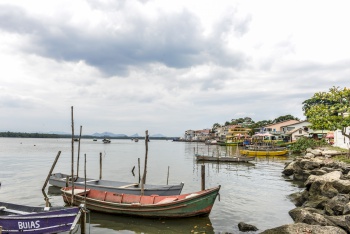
<point>342,158</point>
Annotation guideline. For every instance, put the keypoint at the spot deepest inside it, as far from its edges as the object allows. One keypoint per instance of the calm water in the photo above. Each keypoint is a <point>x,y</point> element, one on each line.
<point>253,193</point>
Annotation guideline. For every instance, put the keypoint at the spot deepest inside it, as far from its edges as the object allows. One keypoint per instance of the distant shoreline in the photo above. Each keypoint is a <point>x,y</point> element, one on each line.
<point>49,135</point>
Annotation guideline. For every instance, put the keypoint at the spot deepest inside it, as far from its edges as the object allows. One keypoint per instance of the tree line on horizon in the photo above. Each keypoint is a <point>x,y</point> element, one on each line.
<point>248,122</point>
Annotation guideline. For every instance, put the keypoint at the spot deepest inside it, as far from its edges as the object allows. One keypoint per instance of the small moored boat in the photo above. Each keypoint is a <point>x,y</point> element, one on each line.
<point>106,140</point>
<point>224,159</point>
<point>34,220</point>
<point>178,206</point>
<point>60,180</point>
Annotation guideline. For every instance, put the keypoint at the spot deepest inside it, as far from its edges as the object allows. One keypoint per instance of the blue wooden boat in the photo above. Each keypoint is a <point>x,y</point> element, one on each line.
<point>59,180</point>
<point>32,220</point>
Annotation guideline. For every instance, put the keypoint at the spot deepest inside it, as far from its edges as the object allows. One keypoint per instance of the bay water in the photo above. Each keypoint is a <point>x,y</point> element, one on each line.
<point>255,193</point>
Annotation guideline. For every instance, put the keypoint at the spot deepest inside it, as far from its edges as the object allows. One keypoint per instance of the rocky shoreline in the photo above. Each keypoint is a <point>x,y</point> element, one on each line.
<point>324,204</point>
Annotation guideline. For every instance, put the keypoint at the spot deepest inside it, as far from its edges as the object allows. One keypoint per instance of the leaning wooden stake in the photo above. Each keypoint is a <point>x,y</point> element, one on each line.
<point>52,167</point>
<point>78,153</point>
<point>143,181</point>
<point>138,160</point>
<point>72,199</point>
<point>100,165</point>
<point>203,177</point>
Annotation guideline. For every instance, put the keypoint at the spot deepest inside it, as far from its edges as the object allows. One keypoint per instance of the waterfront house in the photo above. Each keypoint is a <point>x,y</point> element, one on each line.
<point>302,124</point>
<point>189,135</point>
<point>277,128</point>
<point>295,134</point>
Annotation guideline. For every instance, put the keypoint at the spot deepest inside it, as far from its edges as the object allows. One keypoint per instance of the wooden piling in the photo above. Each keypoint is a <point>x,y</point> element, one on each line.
<point>72,165</point>
<point>0,229</point>
<point>143,181</point>
<point>83,222</point>
<point>52,167</point>
<point>83,214</point>
<point>139,170</point>
<point>100,165</point>
<point>203,177</point>
<point>167,178</point>
<point>78,152</point>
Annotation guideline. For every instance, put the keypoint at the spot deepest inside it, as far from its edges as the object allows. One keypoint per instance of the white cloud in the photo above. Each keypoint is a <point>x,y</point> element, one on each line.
<point>165,66</point>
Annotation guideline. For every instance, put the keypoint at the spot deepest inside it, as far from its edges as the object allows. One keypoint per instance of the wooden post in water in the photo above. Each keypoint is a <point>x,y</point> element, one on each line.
<point>100,165</point>
<point>83,214</point>
<point>0,229</point>
<point>139,170</point>
<point>72,199</point>
<point>143,181</point>
<point>167,179</point>
<point>78,153</point>
<point>52,167</point>
<point>203,177</point>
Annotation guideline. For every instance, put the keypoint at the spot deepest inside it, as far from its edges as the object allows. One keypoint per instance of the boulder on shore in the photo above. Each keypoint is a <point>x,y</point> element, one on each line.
<point>304,228</point>
<point>244,227</point>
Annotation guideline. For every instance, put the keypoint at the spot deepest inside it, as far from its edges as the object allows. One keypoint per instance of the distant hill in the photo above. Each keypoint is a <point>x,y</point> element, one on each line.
<point>108,134</point>
<point>157,135</point>
<point>135,135</point>
<point>59,133</point>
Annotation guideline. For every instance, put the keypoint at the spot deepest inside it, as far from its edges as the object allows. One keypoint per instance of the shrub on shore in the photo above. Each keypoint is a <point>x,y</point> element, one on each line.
<point>303,143</point>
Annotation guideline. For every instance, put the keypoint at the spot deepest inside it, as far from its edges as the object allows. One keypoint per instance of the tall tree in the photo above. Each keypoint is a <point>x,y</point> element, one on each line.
<point>284,118</point>
<point>329,110</point>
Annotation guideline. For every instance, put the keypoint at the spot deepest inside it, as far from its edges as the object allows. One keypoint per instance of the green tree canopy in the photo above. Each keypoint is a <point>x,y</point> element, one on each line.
<point>329,110</point>
<point>284,118</point>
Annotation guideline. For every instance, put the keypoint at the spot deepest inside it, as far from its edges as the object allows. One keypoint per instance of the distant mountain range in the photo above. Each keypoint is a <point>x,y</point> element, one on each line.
<point>108,134</point>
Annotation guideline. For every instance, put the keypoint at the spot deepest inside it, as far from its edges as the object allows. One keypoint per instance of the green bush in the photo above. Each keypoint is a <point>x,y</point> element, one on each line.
<point>304,142</point>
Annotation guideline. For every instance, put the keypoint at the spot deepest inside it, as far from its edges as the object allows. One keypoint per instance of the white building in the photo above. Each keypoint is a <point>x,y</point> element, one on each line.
<point>340,140</point>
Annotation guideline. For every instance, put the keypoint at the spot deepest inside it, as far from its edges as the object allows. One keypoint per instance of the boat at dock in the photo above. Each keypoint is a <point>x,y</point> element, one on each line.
<point>60,180</point>
<point>224,158</point>
<point>264,150</point>
<point>16,218</point>
<point>178,206</point>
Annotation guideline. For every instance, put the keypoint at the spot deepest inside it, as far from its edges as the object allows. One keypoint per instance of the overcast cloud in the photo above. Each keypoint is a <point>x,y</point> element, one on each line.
<point>165,66</point>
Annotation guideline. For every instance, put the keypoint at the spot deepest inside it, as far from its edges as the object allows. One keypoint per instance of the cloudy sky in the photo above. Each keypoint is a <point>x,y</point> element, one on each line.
<point>165,66</point>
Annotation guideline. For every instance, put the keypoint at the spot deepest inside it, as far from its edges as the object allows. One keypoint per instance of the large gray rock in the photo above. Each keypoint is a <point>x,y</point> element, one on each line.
<point>309,156</point>
<point>342,221</point>
<point>322,188</point>
<point>302,215</point>
<point>317,202</point>
<point>310,164</point>
<point>318,172</point>
<point>244,227</point>
<point>343,186</point>
<point>290,168</point>
<point>301,175</point>
<point>304,228</point>
<point>335,206</point>
<point>299,198</point>
<point>316,152</point>
<point>329,177</point>
<point>330,152</point>
<point>346,210</point>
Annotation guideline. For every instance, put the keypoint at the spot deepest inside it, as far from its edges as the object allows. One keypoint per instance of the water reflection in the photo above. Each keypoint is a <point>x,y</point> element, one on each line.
<point>144,225</point>
<point>54,191</point>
